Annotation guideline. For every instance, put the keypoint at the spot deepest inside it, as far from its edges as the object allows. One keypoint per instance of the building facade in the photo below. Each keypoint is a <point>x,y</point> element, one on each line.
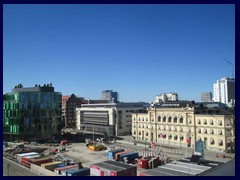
<point>183,123</point>
<point>224,90</point>
<point>110,96</point>
<point>69,105</point>
<point>112,119</point>
<point>206,97</point>
<point>33,112</point>
<point>166,97</point>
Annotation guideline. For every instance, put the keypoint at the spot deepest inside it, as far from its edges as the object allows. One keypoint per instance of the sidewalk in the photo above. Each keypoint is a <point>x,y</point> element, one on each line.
<point>175,151</point>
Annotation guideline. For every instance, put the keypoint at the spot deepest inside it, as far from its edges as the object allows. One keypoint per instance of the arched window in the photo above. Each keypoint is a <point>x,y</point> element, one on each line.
<point>220,132</point>
<point>164,119</point>
<point>211,122</point>
<point>199,121</point>
<point>219,122</point>
<point>181,119</point>
<point>175,119</point>
<point>169,119</point>
<point>159,118</point>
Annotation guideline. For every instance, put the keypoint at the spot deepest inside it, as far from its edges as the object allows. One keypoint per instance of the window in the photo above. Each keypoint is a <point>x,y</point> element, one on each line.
<point>199,130</point>
<point>199,121</point>
<point>220,122</point>
<point>205,131</point>
<point>164,119</point>
<point>169,128</point>
<point>159,118</point>
<point>169,119</point>
<point>211,122</point>
<point>189,121</point>
<point>175,119</point>
<point>204,121</point>
<point>181,119</point>
<point>212,141</point>
<point>220,142</point>
<point>220,132</point>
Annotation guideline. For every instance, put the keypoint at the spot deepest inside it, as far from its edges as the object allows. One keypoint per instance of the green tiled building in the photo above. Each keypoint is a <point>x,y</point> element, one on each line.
<point>32,113</point>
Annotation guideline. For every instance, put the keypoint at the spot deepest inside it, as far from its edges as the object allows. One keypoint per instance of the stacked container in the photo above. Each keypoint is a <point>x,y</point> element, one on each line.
<point>129,156</point>
<point>40,161</point>
<point>111,154</point>
<point>20,156</point>
<point>51,166</point>
<point>117,155</point>
<point>112,168</point>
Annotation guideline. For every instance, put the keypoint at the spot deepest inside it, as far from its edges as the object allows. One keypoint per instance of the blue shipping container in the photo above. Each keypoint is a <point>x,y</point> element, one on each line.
<point>130,156</point>
<point>111,154</point>
<point>80,172</point>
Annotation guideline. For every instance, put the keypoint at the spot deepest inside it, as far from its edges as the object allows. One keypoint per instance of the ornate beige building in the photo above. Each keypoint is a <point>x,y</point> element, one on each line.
<point>182,123</point>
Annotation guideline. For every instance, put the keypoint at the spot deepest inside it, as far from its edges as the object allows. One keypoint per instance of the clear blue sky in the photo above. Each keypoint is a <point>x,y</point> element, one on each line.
<point>139,51</point>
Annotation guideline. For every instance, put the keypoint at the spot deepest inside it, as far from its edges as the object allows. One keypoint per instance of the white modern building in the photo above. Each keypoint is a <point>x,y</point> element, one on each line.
<point>166,97</point>
<point>110,119</point>
<point>224,90</point>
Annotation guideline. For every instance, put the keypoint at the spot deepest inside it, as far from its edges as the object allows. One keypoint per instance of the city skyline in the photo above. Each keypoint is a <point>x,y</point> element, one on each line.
<point>139,51</point>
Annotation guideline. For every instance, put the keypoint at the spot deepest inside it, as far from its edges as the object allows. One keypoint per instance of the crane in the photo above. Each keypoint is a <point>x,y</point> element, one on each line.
<point>231,65</point>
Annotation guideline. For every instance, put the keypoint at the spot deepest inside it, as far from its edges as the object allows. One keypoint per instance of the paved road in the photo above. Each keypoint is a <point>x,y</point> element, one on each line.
<point>11,168</point>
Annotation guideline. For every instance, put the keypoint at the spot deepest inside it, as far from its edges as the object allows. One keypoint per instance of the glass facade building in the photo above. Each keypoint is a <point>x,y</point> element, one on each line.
<point>32,113</point>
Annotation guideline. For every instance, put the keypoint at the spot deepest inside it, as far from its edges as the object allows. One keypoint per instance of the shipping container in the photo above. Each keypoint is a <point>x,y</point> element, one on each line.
<point>112,168</point>
<point>19,156</point>
<point>118,154</point>
<point>111,154</point>
<point>51,166</point>
<point>130,156</point>
<point>64,172</point>
<point>58,170</point>
<point>153,172</point>
<point>40,161</point>
<point>25,159</point>
<point>131,170</point>
<point>81,172</point>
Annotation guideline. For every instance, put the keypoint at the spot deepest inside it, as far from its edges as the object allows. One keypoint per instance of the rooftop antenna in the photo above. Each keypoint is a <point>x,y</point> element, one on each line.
<point>233,66</point>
